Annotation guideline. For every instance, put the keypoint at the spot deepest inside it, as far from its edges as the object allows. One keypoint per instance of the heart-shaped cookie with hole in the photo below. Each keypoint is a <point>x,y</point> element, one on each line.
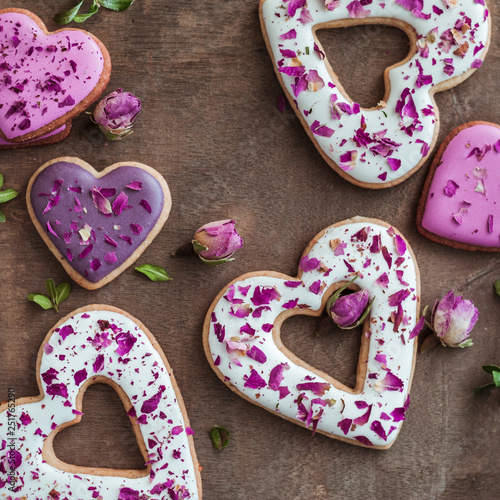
<point>459,204</point>
<point>97,223</point>
<point>382,146</point>
<point>46,78</point>
<point>241,335</point>
<point>100,344</point>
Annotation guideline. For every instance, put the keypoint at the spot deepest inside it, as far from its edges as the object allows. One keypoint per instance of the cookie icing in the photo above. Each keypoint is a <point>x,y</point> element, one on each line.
<point>42,77</point>
<point>241,335</point>
<point>95,344</point>
<point>382,146</point>
<point>462,201</point>
<point>54,132</point>
<point>96,224</point>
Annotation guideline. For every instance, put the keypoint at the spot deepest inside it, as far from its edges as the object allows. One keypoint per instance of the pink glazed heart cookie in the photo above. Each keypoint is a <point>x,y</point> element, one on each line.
<point>99,344</point>
<point>459,205</point>
<point>97,223</point>
<point>242,342</point>
<point>379,147</point>
<point>46,79</point>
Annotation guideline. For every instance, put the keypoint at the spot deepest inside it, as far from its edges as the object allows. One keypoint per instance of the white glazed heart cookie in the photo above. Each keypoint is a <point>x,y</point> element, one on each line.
<point>242,335</point>
<point>100,344</point>
<point>377,147</point>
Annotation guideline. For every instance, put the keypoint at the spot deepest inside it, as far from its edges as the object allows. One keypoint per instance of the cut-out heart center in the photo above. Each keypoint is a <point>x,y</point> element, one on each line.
<point>360,55</point>
<point>103,438</point>
<point>323,345</point>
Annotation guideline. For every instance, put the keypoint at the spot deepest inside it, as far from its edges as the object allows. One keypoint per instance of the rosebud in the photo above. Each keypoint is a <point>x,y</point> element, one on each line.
<point>452,320</point>
<point>216,242</point>
<point>349,311</point>
<point>116,113</point>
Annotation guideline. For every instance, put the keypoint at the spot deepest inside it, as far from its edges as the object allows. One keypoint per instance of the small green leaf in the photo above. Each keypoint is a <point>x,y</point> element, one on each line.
<point>41,300</point>
<point>219,437</point>
<point>491,368</point>
<point>62,292</point>
<point>198,247</point>
<point>51,289</point>
<point>497,287</point>
<point>68,15</point>
<point>2,217</point>
<point>483,387</point>
<point>1,181</point>
<point>117,5</point>
<point>81,18</point>
<point>7,195</point>
<point>496,378</point>
<point>217,262</point>
<point>466,343</point>
<point>153,272</point>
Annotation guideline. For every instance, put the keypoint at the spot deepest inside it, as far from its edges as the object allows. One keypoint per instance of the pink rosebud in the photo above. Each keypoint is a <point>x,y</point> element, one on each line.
<point>347,310</point>
<point>216,242</point>
<point>452,320</point>
<point>116,113</point>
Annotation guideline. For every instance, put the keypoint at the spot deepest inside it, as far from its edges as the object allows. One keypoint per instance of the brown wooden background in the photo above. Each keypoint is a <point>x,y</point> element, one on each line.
<point>211,127</point>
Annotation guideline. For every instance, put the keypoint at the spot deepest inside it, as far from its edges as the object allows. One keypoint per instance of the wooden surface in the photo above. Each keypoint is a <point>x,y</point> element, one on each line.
<point>210,125</point>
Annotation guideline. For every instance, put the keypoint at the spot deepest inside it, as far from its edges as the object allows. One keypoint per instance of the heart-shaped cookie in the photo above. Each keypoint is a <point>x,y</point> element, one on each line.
<point>459,204</point>
<point>46,79</point>
<point>103,344</point>
<point>242,335</point>
<point>382,146</point>
<point>97,223</point>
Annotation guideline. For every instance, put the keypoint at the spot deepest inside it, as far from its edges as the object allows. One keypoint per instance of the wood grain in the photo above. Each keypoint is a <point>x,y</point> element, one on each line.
<point>210,126</point>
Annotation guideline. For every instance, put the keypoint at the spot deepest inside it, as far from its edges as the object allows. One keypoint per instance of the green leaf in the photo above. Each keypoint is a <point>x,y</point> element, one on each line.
<point>497,287</point>
<point>198,247</point>
<point>68,15</point>
<point>491,368</point>
<point>51,289</point>
<point>1,181</point>
<point>153,272</point>
<point>2,217</point>
<point>483,387</point>
<point>7,195</point>
<point>80,18</point>
<point>118,5</point>
<point>219,437</point>
<point>496,378</point>
<point>41,300</point>
<point>62,292</point>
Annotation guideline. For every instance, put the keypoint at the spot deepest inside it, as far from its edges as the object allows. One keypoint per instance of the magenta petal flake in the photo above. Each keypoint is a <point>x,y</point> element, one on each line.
<point>120,203</point>
<point>254,380</point>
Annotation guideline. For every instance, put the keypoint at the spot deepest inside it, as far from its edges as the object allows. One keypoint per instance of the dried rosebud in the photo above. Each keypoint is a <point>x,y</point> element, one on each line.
<point>350,310</point>
<point>116,113</point>
<point>216,242</point>
<point>452,320</point>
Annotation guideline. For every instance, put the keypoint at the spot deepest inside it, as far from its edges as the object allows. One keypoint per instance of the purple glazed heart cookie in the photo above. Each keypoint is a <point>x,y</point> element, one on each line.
<point>46,79</point>
<point>459,204</point>
<point>97,223</point>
